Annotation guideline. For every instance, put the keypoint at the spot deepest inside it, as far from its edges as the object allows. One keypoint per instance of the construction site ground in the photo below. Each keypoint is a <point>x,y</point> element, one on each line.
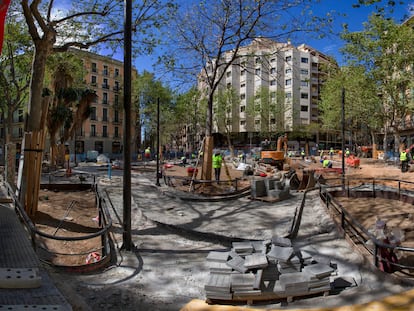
<point>172,238</point>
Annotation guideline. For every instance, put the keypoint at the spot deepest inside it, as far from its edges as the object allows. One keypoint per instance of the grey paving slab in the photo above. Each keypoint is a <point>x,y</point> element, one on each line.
<point>319,270</point>
<point>281,241</point>
<point>256,260</point>
<point>237,263</point>
<point>280,253</point>
<point>218,282</point>
<point>218,256</point>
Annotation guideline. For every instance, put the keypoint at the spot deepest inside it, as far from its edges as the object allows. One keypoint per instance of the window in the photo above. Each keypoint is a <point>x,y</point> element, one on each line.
<point>272,60</point>
<point>105,98</point>
<point>93,113</point>
<point>304,71</point>
<point>20,116</point>
<point>272,70</point>
<point>104,114</point>
<point>243,85</point>
<point>288,82</point>
<point>116,131</point>
<point>105,70</point>
<point>93,80</point>
<point>257,122</point>
<point>288,70</point>
<point>304,95</point>
<point>116,72</point>
<point>94,69</point>
<point>229,85</point>
<point>288,58</point>
<point>242,96</point>
<point>304,83</point>
<point>272,121</point>
<point>116,100</point>
<point>304,108</point>
<point>116,115</point>
<point>228,74</point>
<point>257,60</point>
<point>93,130</point>
<point>243,123</point>
<point>104,131</point>
<point>288,95</point>
<point>243,72</point>
<point>105,84</point>
<point>304,60</point>
<point>116,87</point>
<point>257,71</point>
<point>242,108</point>
<point>273,82</point>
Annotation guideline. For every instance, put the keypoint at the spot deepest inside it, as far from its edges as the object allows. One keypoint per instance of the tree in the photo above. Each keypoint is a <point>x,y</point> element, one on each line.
<point>385,51</point>
<point>86,23</point>
<point>363,110</point>
<point>70,104</point>
<point>228,102</point>
<point>147,92</point>
<point>208,30</point>
<point>14,76</point>
<point>270,108</point>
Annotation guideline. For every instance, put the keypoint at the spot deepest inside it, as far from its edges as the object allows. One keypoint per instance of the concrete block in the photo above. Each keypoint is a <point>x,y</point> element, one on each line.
<point>20,278</point>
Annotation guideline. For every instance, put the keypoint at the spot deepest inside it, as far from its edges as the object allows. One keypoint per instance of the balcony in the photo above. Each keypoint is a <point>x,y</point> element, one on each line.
<point>116,88</point>
<point>105,86</point>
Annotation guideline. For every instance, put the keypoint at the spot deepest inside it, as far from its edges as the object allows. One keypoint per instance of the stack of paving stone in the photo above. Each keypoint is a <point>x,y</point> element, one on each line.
<point>272,268</point>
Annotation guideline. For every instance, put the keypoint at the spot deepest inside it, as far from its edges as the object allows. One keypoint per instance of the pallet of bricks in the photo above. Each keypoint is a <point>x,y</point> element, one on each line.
<point>265,270</point>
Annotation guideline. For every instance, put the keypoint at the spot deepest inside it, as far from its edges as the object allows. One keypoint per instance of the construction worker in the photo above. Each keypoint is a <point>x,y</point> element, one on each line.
<point>331,152</point>
<point>217,162</point>
<point>404,160</point>
<point>147,154</point>
<point>326,163</point>
<point>302,154</point>
<point>347,152</point>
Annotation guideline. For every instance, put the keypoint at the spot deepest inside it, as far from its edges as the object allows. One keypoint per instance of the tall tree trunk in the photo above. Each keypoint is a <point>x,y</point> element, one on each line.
<point>29,182</point>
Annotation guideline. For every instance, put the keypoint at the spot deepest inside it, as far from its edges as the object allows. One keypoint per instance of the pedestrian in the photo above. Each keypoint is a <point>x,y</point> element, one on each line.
<point>347,153</point>
<point>217,162</point>
<point>331,152</point>
<point>404,160</point>
<point>302,154</point>
<point>147,154</point>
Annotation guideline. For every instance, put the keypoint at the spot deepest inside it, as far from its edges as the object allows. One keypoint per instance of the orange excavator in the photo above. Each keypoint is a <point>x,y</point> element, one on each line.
<point>274,155</point>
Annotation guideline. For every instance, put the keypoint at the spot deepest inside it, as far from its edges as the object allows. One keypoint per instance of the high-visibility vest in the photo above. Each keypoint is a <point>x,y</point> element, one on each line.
<point>325,163</point>
<point>403,156</point>
<point>217,159</point>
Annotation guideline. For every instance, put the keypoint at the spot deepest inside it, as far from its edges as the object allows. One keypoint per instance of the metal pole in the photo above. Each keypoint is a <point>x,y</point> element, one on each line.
<point>158,143</point>
<point>343,138</point>
<point>127,240</point>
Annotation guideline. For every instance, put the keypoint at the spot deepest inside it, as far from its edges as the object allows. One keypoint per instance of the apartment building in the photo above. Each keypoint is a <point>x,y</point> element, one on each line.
<point>103,131</point>
<point>291,76</point>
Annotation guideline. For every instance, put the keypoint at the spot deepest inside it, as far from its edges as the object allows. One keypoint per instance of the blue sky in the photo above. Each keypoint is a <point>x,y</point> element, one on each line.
<point>355,17</point>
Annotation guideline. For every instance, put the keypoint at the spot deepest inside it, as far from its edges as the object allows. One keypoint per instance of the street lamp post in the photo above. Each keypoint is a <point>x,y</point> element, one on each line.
<point>158,143</point>
<point>126,234</point>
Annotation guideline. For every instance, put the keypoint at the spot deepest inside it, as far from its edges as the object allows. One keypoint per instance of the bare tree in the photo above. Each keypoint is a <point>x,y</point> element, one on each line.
<point>210,35</point>
<point>55,28</point>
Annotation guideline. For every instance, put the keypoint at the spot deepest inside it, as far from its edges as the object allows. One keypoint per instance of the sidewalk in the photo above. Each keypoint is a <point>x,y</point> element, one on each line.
<point>24,283</point>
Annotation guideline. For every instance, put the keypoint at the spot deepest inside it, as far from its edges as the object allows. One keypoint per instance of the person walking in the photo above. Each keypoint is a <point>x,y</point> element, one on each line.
<point>331,153</point>
<point>217,162</point>
<point>302,154</point>
<point>404,160</point>
<point>147,154</point>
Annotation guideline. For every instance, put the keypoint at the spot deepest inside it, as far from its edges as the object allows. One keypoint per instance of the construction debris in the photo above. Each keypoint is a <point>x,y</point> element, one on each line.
<point>266,270</point>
